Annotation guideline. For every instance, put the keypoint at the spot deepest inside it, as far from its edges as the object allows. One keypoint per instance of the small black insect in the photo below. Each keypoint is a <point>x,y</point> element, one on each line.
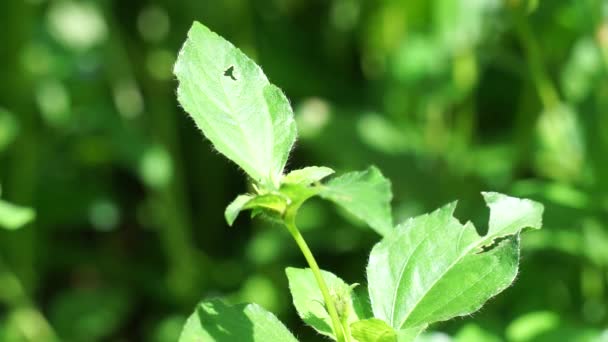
<point>230,73</point>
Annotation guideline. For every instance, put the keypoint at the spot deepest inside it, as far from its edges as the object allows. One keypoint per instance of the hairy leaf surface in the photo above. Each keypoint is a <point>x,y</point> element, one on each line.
<point>219,322</point>
<point>366,195</point>
<point>432,268</point>
<point>245,117</point>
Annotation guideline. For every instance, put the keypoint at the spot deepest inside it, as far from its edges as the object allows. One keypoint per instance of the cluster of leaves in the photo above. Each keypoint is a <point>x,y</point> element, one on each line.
<point>427,269</point>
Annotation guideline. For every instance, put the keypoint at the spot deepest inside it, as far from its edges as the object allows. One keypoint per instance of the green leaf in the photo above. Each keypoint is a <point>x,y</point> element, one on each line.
<point>308,299</point>
<point>270,201</point>
<point>410,334</point>
<point>433,268</point>
<point>235,207</point>
<point>307,175</point>
<point>366,195</point>
<point>14,217</point>
<point>9,128</point>
<point>216,321</point>
<point>373,330</point>
<point>230,99</point>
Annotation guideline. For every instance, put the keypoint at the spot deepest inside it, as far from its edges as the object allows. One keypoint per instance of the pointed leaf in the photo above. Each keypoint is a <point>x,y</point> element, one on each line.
<point>14,217</point>
<point>245,117</point>
<point>307,175</point>
<point>216,321</point>
<point>366,195</point>
<point>433,268</point>
<point>308,299</point>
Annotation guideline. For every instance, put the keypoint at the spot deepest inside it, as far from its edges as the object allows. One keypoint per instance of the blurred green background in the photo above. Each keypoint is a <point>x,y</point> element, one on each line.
<point>447,97</point>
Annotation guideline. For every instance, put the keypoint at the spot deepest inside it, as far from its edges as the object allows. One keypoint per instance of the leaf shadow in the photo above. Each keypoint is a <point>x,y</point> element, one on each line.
<point>225,323</point>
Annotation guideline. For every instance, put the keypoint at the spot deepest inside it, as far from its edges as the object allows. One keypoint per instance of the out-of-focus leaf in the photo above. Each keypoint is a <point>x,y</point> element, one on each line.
<point>366,195</point>
<point>13,216</point>
<point>432,268</point>
<point>85,314</point>
<point>582,69</point>
<point>307,175</point>
<point>8,128</point>
<point>308,299</point>
<point>230,99</point>
<point>216,321</point>
<point>475,333</point>
<point>561,152</point>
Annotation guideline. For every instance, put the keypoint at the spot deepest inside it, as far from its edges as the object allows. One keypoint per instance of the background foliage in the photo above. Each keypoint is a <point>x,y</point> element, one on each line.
<point>447,97</point>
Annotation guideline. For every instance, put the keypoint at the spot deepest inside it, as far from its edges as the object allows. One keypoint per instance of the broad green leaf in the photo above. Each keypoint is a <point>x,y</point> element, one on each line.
<point>366,195</point>
<point>274,202</point>
<point>215,321</point>
<point>307,175</point>
<point>433,268</point>
<point>13,216</point>
<point>308,299</point>
<point>230,99</point>
<point>373,330</point>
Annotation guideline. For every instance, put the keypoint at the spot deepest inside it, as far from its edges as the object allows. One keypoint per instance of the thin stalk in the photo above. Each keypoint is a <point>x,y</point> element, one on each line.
<point>290,223</point>
<point>546,90</point>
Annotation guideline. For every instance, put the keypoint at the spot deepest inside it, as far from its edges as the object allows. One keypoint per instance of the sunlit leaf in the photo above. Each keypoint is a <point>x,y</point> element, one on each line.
<point>13,216</point>
<point>245,117</point>
<point>307,175</point>
<point>433,268</point>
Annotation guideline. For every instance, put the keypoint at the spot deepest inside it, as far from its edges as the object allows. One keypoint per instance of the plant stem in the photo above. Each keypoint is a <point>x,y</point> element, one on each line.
<point>290,223</point>
<point>545,88</point>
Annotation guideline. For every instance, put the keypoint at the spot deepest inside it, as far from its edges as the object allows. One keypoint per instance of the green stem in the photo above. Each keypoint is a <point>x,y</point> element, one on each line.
<point>545,88</point>
<point>290,223</point>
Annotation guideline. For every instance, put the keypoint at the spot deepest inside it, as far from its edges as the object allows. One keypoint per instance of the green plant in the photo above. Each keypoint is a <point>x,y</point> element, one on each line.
<point>427,269</point>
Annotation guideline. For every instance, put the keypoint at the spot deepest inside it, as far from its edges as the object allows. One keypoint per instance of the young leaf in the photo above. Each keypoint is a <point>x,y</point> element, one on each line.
<point>216,321</point>
<point>308,300</point>
<point>366,195</point>
<point>245,117</point>
<point>433,268</point>
<point>307,175</point>
<point>235,207</point>
<point>13,217</point>
<point>269,201</point>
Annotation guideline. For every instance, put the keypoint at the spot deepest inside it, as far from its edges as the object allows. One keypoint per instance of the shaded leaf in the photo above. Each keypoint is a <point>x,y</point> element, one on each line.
<point>308,299</point>
<point>373,330</point>
<point>273,202</point>
<point>366,195</point>
<point>219,322</point>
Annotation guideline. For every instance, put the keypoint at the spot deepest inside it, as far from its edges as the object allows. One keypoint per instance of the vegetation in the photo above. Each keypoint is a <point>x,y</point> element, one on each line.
<point>112,209</point>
